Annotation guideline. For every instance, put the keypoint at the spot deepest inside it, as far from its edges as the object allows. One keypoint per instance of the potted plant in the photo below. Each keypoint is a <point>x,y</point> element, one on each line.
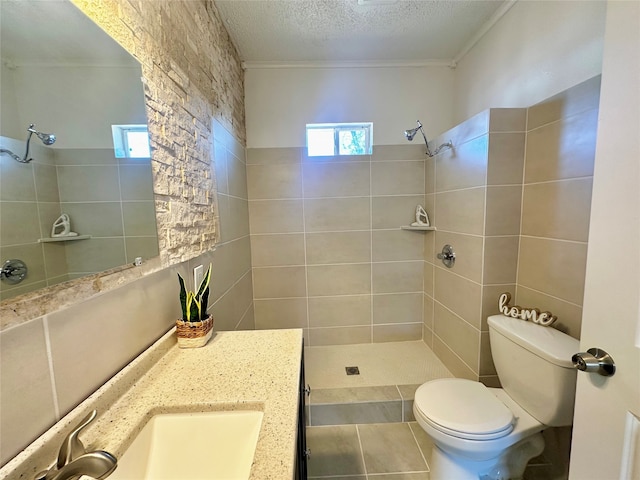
<point>195,327</point>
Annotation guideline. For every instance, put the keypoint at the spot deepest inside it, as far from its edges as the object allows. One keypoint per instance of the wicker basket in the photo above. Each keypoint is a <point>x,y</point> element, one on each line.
<point>194,334</point>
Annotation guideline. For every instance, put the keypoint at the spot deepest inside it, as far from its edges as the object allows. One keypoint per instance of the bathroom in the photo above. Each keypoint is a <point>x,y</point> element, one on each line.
<point>193,78</point>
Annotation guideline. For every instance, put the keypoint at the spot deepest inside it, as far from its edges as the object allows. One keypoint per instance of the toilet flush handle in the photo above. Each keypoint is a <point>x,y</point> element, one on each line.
<point>594,360</point>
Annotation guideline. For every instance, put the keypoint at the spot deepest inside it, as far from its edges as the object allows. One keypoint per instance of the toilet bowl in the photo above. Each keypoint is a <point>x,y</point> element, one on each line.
<point>492,433</point>
<point>478,432</point>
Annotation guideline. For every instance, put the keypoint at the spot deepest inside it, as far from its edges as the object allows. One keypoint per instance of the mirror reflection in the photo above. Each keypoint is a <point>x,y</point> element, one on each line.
<point>83,203</point>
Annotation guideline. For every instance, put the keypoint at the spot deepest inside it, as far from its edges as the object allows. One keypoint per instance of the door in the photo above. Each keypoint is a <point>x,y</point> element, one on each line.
<point>606,433</point>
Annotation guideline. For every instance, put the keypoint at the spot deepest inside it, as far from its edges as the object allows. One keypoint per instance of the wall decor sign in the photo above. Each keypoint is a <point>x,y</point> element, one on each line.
<point>528,314</point>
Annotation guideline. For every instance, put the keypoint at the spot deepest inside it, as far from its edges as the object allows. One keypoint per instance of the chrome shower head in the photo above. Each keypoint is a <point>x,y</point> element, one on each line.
<point>46,138</point>
<point>409,134</point>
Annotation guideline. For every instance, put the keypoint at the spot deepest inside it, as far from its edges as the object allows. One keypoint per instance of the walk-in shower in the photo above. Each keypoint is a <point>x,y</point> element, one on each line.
<point>46,138</point>
<point>409,134</point>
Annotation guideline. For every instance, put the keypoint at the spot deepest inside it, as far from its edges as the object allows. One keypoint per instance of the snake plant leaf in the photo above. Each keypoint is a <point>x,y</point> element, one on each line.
<point>183,298</point>
<point>195,313</point>
<point>203,293</point>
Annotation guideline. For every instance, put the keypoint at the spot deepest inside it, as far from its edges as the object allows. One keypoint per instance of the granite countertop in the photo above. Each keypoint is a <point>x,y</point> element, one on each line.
<point>257,370</point>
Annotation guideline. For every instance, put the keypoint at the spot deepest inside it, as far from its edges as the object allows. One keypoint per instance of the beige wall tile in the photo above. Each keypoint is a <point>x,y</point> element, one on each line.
<point>486,360</point>
<point>139,218</point>
<point>16,180</point>
<point>333,158</point>
<point>49,213</point>
<point>247,322</point>
<point>397,178</point>
<point>388,153</point>
<point>223,313</point>
<point>430,175</point>
<point>89,183</point>
<point>338,247</point>
<point>24,215</point>
<point>506,158</point>
<point>458,335</point>
<point>339,335</point>
<point>396,277</point>
<point>99,219</point>
<point>465,131</point>
<point>95,254</point>
<point>428,305</point>
<point>507,119</point>
<point>558,209</point>
<point>72,333</point>
<point>397,308</point>
<point>392,212</point>
<point>25,391</point>
<point>503,210</point>
<point>220,166</point>
<point>237,177</point>
<point>469,254</point>
<point>395,245</point>
<point>402,332</point>
<point>553,267</point>
<point>337,179</point>
<point>340,311</point>
<point>461,211</point>
<point>428,278</point>
<point>582,97</point>
<point>569,315</point>
<point>500,260</point>
<point>337,214</point>
<point>279,282</point>
<point>145,247</point>
<point>277,250</point>
<point>55,260</point>
<point>466,167</point>
<point>429,245</point>
<point>490,296</point>
<point>276,216</point>
<point>280,313</point>
<point>452,361</point>
<point>237,223</point>
<point>459,295</point>
<point>331,280</point>
<point>242,295</point>
<point>47,183</point>
<point>279,181</point>
<point>563,149</point>
<point>135,181</point>
<point>270,156</point>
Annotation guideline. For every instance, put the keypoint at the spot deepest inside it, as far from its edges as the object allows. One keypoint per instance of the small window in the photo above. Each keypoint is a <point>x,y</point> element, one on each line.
<point>131,141</point>
<point>328,139</point>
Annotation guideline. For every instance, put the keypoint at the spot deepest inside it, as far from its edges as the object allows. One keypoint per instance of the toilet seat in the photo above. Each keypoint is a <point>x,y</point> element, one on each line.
<point>464,409</point>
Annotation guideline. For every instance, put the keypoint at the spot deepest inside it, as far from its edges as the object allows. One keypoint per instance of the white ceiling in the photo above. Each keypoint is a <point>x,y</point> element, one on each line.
<point>349,31</point>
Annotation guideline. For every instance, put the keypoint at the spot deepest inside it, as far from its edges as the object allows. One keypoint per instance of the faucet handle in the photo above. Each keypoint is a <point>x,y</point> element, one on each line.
<point>72,447</point>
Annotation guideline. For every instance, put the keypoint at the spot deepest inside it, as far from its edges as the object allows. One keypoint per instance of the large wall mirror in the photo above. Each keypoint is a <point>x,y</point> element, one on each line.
<point>66,76</point>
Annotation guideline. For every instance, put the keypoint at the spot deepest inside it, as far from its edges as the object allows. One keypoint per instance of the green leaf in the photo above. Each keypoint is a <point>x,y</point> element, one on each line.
<point>194,308</point>
<point>183,298</point>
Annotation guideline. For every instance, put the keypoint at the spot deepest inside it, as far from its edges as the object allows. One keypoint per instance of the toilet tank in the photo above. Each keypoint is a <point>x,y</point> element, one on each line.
<point>535,368</point>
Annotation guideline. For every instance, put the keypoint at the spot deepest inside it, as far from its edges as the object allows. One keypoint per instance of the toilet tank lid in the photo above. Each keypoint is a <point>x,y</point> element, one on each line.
<point>546,342</point>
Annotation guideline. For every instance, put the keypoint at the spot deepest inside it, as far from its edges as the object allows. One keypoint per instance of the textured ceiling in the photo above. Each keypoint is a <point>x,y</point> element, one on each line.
<point>282,31</point>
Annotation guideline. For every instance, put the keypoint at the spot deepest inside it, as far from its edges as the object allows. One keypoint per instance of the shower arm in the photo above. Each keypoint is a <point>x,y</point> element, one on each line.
<point>449,144</point>
<point>26,158</point>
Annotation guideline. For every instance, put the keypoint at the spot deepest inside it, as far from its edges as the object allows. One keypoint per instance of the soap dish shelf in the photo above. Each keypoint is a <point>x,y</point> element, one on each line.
<point>418,229</point>
<point>63,239</point>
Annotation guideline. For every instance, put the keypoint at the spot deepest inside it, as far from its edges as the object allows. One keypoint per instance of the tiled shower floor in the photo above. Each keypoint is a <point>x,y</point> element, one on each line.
<point>392,363</point>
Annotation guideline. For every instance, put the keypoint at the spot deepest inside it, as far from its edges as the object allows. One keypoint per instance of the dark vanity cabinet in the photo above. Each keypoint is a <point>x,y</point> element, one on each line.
<point>302,452</point>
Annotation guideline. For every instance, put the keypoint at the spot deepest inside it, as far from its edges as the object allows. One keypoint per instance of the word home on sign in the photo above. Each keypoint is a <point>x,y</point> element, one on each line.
<point>528,314</point>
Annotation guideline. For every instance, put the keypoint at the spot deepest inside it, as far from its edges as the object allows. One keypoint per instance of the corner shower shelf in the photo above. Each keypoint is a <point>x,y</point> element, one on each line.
<point>418,229</point>
<point>63,239</point>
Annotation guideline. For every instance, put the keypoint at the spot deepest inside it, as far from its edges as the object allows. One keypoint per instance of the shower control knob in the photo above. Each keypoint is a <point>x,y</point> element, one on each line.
<point>448,256</point>
<point>594,360</point>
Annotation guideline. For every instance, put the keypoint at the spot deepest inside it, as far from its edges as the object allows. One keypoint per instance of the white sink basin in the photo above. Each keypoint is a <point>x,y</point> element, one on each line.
<point>193,446</point>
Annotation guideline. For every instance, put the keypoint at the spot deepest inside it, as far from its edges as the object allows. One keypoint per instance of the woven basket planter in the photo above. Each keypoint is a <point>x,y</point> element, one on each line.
<point>194,334</point>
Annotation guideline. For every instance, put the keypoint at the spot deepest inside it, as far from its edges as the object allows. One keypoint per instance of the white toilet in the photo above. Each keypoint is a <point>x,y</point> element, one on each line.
<point>491,433</point>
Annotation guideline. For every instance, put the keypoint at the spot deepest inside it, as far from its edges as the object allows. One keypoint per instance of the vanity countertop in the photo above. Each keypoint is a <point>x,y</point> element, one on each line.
<point>234,371</point>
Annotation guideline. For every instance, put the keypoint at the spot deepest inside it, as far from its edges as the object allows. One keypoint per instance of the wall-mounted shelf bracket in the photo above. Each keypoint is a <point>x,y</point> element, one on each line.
<point>417,229</point>
<point>64,239</point>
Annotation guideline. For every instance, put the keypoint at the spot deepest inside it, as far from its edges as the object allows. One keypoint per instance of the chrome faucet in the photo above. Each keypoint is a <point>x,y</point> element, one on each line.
<point>74,461</point>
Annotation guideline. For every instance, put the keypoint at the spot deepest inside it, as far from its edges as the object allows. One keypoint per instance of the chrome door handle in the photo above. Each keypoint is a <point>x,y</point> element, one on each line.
<point>594,360</point>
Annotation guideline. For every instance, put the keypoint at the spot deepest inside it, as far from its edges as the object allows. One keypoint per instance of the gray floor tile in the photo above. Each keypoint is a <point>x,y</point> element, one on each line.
<point>425,443</point>
<point>350,413</point>
<point>390,448</point>
<point>334,451</point>
<point>353,395</point>
<point>400,476</point>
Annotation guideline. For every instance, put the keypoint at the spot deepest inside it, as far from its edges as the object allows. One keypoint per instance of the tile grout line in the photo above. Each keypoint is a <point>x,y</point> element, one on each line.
<point>364,463</point>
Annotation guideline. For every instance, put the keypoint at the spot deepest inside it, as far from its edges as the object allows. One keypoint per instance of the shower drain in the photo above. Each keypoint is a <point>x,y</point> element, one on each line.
<point>352,370</point>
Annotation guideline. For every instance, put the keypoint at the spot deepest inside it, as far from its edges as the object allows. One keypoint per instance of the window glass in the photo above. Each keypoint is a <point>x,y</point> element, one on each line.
<point>328,139</point>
